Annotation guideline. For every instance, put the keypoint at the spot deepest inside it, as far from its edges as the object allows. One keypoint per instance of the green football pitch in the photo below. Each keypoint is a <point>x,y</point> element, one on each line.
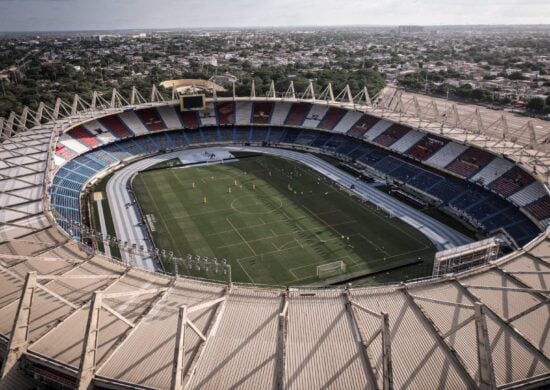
<point>275,221</point>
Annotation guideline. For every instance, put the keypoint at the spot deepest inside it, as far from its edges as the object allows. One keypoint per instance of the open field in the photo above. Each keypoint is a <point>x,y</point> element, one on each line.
<point>275,221</point>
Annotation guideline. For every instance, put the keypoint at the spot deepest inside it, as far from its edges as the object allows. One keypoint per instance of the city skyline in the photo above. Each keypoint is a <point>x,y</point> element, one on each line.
<point>81,15</point>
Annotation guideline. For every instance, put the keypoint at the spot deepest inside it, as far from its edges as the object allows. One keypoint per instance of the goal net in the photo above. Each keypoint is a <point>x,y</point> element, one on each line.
<point>330,269</point>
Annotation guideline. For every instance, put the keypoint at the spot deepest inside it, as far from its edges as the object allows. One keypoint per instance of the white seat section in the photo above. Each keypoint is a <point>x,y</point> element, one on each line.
<point>280,112</point>
<point>380,126</point>
<point>244,113</point>
<point>71,143</point>
<point>347,122</point>
<point>100,132</point>
<point>315,116</point>
<point>58,160</point>
<point>169,116</point>
<point>407,141</point>
<point>446,155</point>
<point>495,169</point>
<point>133,122</point>
<point>528,194</point>
<point>208,116</point>
<point>545,223</point>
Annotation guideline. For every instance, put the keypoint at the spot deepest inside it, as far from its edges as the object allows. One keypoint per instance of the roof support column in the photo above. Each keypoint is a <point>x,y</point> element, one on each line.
<point>387,373</point>
<point>486,369</point>
<point>20,331</point>
<point>87,364</point>
<point>281,343</point>
<point>179,351</point>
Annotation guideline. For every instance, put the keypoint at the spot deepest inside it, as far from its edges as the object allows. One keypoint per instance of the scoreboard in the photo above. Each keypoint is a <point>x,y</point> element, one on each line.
<point>192,102</point>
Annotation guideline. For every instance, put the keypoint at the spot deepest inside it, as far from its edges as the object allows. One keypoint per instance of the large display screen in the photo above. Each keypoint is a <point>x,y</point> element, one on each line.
<point>192,102</point>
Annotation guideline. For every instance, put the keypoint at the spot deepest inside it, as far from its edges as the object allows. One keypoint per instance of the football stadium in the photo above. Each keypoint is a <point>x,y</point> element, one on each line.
<point>312,240</point>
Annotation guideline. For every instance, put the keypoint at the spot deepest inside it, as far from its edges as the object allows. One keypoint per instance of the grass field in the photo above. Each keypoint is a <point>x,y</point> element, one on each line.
<point>275,221</point>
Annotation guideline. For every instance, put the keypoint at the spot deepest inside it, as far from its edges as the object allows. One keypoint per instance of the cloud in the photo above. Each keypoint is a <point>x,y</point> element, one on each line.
<point>113,14</point>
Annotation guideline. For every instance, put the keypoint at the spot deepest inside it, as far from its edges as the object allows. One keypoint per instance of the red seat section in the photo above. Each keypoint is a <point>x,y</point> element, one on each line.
<point>511,181</point>
<point>426,147</point>
<point>262,112</point>
<point>64,152</point>
<point>540,209</point>
<point>115,125</point>
<point>297,114</point>
<point>363,125</point>
<point>226,113</point>
<point>470,162</point>
<point>84,136</point>
<point>151,119</point>
<point>190,119</point>
<point>392,134</point>
<point>332,117</point>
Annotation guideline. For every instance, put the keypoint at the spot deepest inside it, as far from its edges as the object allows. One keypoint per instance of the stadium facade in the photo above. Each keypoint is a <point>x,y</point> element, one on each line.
<point>73,318</point>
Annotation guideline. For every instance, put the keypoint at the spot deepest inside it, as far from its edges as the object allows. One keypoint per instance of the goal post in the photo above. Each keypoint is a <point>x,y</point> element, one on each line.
<point>327,270</point>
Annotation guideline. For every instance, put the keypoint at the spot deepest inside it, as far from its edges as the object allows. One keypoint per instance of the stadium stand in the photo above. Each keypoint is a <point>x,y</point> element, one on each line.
<point>446,155</point>
<point>470,162</point>
<point>85,137</point>
<point>244,113</point>
<point>391,135</point>
<point>208,116</point>
<point>116,126</point>
<point>540,209</point>
<point>407,141</point>
<point>347,121</point>
<point>528,194</point>
<point>492,171</point>
<point>169,117</point>
<point>99,131</point>
<point>378,128</point>
<point>280,113</point>
<point>226,113</point>
<point>315,115</point>
<point>332,118</point>
<point>426,147</point>
<point>297,114</point>
<point>190,119</point>
<point>262,112</point>
<point>132,122</point>
<point>511,181</point>
<point>71,143</point>
<point>151,119</point>
<point>364,124</point>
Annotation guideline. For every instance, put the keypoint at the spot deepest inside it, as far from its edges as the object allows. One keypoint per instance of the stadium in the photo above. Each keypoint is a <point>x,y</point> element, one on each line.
<point>200,241</point>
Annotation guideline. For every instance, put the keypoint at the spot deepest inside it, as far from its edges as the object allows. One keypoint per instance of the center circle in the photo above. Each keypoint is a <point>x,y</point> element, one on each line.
<point>256,204</point>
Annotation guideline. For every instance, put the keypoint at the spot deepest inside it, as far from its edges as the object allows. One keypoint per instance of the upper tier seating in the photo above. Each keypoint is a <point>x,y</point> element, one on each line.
<point>426,147</point>
<point>297,114</point>
<point>116,126</point>
<point>84,136</point>
<point>511,181</point>
<point>170,117</point>
<point>99,131</point>
<point>316,114</point>
<point>208,116</point>
<point>226,113</point>
<point>470,162</point>
<point>190,119</point>
<point>151,119</point>
<point>332,117</point>
<point>349,120</point>
<point>379,127</point>
<point>133,122</point>
<point>262,112</point>
<point>446,154</point>
<point>391,135</point>
<point>528,194</point>
<point>408,140</point>
<point>540,209</point>
<point>492,171</point>
<point>244,113</point>
<point>280,113</point>
<point>364,124</point>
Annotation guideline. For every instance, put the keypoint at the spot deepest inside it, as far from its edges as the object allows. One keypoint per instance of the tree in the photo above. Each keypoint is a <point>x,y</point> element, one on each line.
<point>535,104</point>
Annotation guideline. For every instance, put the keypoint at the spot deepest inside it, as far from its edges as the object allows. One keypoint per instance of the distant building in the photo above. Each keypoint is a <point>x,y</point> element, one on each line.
<point>410,29</point>
<point>223,80</point>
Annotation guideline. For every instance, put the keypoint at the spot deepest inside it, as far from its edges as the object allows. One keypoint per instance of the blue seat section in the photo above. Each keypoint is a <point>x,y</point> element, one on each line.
<point>489,210</point>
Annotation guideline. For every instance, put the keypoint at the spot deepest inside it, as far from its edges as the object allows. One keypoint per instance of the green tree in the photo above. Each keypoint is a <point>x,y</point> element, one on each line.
<point>536,104</point>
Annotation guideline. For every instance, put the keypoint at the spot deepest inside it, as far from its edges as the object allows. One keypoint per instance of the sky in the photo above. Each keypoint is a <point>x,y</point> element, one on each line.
<point>59,15</point>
